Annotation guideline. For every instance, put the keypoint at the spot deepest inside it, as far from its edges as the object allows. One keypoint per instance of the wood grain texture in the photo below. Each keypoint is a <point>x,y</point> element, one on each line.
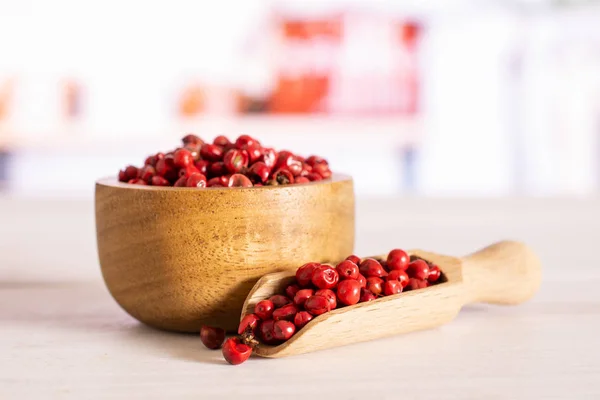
<point>503,273</point>
<point>177,258</point>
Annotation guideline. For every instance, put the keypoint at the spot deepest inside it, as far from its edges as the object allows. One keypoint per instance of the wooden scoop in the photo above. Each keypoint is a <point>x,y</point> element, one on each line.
<point>503,273</point>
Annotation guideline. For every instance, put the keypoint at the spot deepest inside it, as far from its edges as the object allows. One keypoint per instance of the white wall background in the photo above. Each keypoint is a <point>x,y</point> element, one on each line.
<point>511,96</point>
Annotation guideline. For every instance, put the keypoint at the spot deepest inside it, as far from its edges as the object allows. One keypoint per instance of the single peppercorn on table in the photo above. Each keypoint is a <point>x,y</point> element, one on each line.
<point>63,337</point>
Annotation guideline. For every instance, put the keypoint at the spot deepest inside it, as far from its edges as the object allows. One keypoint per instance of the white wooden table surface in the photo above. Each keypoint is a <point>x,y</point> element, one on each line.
<point>62,335</point>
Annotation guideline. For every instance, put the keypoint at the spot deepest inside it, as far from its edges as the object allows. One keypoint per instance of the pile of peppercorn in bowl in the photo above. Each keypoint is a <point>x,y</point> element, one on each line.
<point>183,238</point>
<point>243,163</point>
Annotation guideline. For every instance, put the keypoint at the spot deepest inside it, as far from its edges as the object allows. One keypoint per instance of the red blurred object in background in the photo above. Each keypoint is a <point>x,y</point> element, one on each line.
<point>6,92</point>
<point>305,63</point>
<point>191,102</point>
<point>72,94</point>
<point>409,32</point>
<point>408,79</point>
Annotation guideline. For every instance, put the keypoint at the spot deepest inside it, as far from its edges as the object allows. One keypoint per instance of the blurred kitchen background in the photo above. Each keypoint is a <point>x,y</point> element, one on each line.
<point>431,98</point>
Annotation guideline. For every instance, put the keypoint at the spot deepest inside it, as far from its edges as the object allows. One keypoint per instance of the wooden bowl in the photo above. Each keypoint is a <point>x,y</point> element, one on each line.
<point>179,258</point>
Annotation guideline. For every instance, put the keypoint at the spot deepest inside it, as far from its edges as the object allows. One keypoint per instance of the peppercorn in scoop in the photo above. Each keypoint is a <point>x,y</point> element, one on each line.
<point>321,288</point>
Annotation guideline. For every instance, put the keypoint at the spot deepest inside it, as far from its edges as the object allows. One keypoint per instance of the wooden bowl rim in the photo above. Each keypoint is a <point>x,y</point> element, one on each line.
<point>112,181</point>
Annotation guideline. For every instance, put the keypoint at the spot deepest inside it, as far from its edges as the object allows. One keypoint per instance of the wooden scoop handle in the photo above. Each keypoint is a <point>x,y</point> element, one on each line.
<point>503,273</point>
